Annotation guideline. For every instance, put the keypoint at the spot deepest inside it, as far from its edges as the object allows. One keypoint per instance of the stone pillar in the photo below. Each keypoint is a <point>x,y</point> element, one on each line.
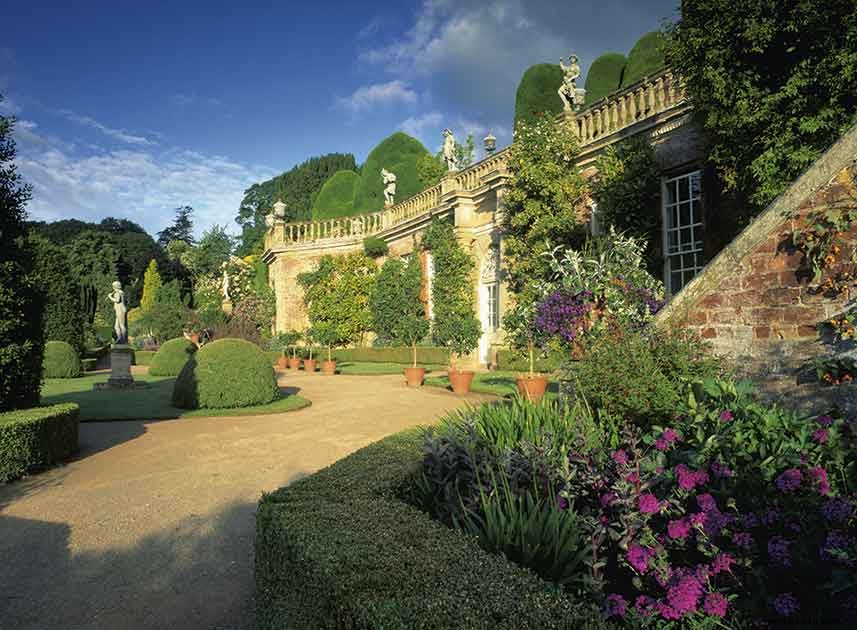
<point>121,357</point>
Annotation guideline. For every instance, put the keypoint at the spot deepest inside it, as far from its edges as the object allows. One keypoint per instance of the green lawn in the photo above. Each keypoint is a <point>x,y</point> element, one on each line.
<point>498,383</point>
<point>373,369</point>
<point>151,403</point>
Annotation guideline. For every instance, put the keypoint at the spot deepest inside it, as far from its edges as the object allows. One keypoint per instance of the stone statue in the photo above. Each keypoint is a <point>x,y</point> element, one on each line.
<point>120,308</point>
<point>449,150</point>
<point>225,286</point>
<point>571,95</point>
<point>389,180</point>
<point>269,220</point>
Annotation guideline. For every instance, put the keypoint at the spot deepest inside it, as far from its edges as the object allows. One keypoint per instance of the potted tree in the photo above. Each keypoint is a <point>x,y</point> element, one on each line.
<point>523,335</point>
<point>461,336</point>
<point>292,338</point>
<point>411,325</point>
<point>278,344</point>
<point>326,334</point>
<point>309,363</point>
<point>410,330</point>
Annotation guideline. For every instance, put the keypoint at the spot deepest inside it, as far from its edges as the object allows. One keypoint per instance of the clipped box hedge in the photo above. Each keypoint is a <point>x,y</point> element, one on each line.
<point>144,357</point>
<point>508,360</point>
<point>339,549</point>
<point>391,354</point>
<point>35,438</point>
<point>88,365</point>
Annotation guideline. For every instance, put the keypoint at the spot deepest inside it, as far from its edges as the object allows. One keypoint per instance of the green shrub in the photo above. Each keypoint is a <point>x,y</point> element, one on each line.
<point>517,362</point>
<point>385,354</point>
<point>537,92</point>
<point>226,374</point>
<point>645,58</point>
<point>336,197</point>
<point>37,437</point>
<point>399,153</point>
<point>144,357</point>
<point>61,360</point>
<point>641,377</point>
<point>88,365</point>
<point>171,357</point>
<point>604,76</point>
<point>375,247</point>
<point>339,549</point>
<point>64,316</point>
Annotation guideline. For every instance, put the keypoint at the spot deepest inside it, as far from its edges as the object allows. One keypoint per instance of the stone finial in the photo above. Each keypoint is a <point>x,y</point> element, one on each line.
<point>280,210</point>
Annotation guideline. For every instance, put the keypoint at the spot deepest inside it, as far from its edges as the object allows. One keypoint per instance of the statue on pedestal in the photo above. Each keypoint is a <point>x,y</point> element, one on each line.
<point>449,150</point>
<point>571,95</point>
<point>120,309</point>
<point>389,180</point>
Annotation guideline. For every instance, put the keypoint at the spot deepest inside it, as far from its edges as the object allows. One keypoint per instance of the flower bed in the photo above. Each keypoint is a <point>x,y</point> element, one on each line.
<point>36,438</point>
<point>341,549</point>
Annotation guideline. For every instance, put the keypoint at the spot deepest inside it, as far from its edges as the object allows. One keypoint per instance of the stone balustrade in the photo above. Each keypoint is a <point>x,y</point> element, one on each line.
<point>619,110</point>
<point>473,177</point>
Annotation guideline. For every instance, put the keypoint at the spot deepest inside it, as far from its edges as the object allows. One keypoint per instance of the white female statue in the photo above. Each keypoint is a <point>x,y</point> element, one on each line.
<point>449,150</point>
<point>120,309</point>
<point>389,180</point>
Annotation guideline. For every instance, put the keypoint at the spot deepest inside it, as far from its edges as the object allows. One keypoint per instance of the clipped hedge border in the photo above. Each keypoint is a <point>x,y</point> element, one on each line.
<point>35,438</point>
<point>391,354</point>
<point>88,365</point>
<point>144,357</point>
<point>339,549</point>
<point>508,360</point>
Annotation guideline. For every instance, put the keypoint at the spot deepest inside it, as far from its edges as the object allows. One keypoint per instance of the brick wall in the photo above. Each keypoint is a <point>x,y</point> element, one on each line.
<point>757,304</point>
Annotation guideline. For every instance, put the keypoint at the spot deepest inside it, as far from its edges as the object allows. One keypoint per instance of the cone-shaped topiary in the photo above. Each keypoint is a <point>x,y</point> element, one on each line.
<point>645,58</point>
<point>604,76</point>
<point>226,374</point>
<point>61,360</point>
<point>171,357</point>
<point>537,92</point>
<point>336,197</point>
<point>399,154</point>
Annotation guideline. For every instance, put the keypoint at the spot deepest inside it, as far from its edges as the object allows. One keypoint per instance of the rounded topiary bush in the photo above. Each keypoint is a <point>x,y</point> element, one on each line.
<point>645,58</point>
<point>226,374</point>
<point>604,76</point>
<point>537,92</point>
<point>398,153</point>
<point>336,197</point>
<point>61,360</point>
<point>171,357</point>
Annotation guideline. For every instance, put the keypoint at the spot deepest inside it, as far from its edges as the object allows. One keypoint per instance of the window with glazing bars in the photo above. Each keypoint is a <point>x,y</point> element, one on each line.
<point>682,207</point>
<point>493,306</point>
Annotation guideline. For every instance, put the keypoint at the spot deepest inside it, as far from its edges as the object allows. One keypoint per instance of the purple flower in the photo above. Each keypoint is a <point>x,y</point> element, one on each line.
<point>750,520</point>
<point>778,551</point>
<point>648,503</point>
<point>715,605</point>
<point>562,503</point>
<point>786,604</point>
<point>620,457</point>
<point>616,605</point>
<point>661,444</point>
<point>722,562</point>
<point>645,605</point>
<point>835,547</point>
<point>742,540</point>
<point>837,510</point>
<point>638,557</point>
<point>720,470</point>
<point>706,502</point>
<point>824,420</point>
<point>725,416</point>
<point>607,499</point>
<point>820,435</point>
<point>790,480</point>
<point>819,478</point>
<point>678,529</point>
<point>562,314</point>
<point>684,596</point>
<point>769,517</point>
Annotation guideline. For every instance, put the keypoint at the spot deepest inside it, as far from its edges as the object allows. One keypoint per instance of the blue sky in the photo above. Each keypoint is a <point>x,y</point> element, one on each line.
<point>132,109</point>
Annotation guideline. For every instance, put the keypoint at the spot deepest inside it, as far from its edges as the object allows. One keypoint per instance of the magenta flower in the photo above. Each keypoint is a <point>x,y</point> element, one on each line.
<point>678,529</point>
<point>661,444</point>
<point>742,540</point>
<point>688,479</point>
<point>616,605</point>
<point>786,604</point>
<point>562,503</point>
<point>620,457</point>
<point>726,416</point>
<point>820,435</point>
<point>607,499</point>
<point>790,480</point>
<point>824,420</point>
<point>684,596</point>
<point>819,478</point>
<point>648,503</point>
<point>722,562</point>
<point>670,435</point>
<point>706,502</point>
<point>645,605</point>
<point>638,557</point>
<point>715,605</point>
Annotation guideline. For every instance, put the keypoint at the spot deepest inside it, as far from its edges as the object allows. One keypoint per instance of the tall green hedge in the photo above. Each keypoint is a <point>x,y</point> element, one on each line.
<point>537,92</point>
<point>645,58</point>
<point>336,197</point>
<point>64,317</point>
<point>61,360</point>
<point>604,76</point>
<point>226,374</point>
<point>340,549</point>
<point>398,153</point>
<point>37,437</point>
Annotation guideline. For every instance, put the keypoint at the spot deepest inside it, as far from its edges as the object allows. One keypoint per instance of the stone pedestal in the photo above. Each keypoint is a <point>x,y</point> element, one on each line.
<point>121,357</point>
<point>226,306</point>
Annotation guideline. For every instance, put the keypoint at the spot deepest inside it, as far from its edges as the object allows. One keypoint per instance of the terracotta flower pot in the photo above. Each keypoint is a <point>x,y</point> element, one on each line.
<point>282,363</point>
<point>414,376</point>
<point>532,387</point>
<point>309,365</point>
<point>328,367</point>
<point>294,364</point>
<point>460,380</point>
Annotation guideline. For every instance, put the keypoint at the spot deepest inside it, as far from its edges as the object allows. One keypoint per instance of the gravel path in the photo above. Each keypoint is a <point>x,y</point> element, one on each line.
<point>152,525</point>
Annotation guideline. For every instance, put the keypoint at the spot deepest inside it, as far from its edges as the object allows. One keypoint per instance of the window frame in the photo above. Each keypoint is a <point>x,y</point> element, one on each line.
<point>696,227</point>
<point>492,305</point>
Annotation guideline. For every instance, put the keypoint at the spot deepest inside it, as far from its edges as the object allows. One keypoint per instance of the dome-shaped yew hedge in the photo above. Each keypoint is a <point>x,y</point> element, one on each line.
<point>537,92</point>
<point>226,374</point>
<point>604,76</point>
<point>171,357</point>
<point>645,58</point>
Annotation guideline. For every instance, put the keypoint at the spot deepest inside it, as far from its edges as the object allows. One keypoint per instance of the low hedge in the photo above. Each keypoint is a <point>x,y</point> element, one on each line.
<point>171,357</point>
<point>144,357</point>
<point>391,354</point>
<point>514,362</point>
<point>340,549</point>
<point>88,365</point>
<point>35,438</point>
<point>60,361</point>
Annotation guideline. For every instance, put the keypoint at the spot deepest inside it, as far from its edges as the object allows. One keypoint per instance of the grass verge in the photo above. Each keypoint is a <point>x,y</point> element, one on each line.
<point>499,383</point>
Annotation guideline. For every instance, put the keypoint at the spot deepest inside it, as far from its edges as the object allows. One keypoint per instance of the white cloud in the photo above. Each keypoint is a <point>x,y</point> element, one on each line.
<point>424,126</point>
<point>116,134</point>
<point>137,183</point>
<point>368,97</point>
